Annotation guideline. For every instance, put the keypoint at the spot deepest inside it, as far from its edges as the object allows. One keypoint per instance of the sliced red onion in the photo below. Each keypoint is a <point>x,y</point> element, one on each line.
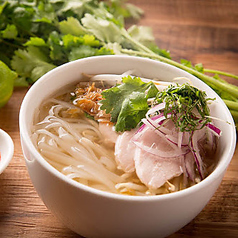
<point>139,132</point>
<point>158,131</point>
<point>165,154</point>
<point>180,138</point>
<point>195,151</point>
<point>156,108</point>
<point>144,120</point>
<point>155,123</point>
<point>189,166</point>
<point>184,171</point>
<point>158,118</point>
<point>214,129</point>
<point>149,122</point>
<point>141,128</point>
<point>174,140</point>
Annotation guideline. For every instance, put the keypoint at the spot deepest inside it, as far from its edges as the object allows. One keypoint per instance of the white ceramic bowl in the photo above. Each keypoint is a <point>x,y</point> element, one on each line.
<point>93,213</point>
<point>6,150</point>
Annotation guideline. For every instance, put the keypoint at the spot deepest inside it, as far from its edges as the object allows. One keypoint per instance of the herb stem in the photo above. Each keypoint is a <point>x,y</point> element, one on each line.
<point>138,44</point>
<point>10,44</point>
<point>232,89</point>
<point>25,31</point>
<point>231,104</point>
<point>235,116</point>
<point>220,73</point>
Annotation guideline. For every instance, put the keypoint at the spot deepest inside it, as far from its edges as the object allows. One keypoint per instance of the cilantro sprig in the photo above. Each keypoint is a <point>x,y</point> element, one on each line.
<point>186,105</point>
<point>127,102</point>
<point>37,36</point>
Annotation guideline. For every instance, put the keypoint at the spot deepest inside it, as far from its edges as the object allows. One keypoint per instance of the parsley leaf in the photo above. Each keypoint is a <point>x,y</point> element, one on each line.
<point>127,102</point>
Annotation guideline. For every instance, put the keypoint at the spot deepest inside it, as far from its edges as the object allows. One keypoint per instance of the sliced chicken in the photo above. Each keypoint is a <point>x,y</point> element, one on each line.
<point>108,132</point>
<point>125,151</point>
<point>154,170</point>
<point>151,155</point>
<point>155,142</point>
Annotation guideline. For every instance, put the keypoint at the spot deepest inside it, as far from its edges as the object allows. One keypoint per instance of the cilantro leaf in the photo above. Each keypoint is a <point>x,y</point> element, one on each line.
<point>104,30</point>
<point>142,34</point>
<point>36,41</point>
<point>133,109</point>
<point>120,8</point>
<point>198,67</point>
<point>45,13</point>
<point>127,102</point>
<point>72,7</point>
<point>133,11</point>
<point>23,17</point>
<point>72,26</point>
<point>10,32</point>
<point>31,63</point>
<point>161,52</point>
<point>82,51</point>
<point>90,40</point>
<point>104,51</point>
<point>56,50</point>
<point>70,41</point>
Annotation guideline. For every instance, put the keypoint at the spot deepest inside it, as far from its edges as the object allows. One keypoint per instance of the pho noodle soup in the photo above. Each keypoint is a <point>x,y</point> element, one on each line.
<point>137,137</point>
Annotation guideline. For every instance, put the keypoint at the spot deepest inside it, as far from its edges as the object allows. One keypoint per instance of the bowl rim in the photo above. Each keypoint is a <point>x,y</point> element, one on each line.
<point>220,168</point>
<point>9,147</point>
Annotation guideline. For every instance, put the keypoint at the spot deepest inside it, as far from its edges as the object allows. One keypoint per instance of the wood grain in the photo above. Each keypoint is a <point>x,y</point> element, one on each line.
<point>200,31</point>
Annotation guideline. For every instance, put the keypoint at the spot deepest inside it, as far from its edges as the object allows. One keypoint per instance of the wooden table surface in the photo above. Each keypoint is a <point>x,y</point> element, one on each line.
<point>200,31</point>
